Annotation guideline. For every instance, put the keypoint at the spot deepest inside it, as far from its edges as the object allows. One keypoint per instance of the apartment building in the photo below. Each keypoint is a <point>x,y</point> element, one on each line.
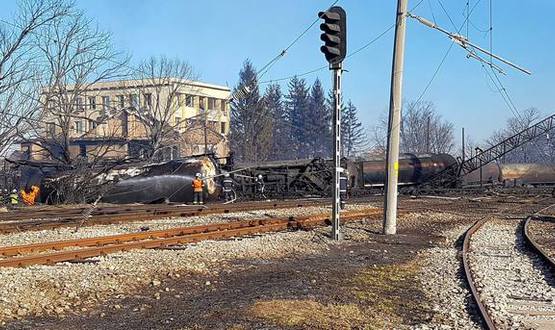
<point>116,119</point>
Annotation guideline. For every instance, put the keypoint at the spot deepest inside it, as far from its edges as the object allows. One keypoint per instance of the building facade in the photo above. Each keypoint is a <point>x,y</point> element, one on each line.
<point>125,118</point>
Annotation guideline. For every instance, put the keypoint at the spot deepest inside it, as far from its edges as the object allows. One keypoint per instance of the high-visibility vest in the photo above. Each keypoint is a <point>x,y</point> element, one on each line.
<point>198,184</point>
<point>14,199</point>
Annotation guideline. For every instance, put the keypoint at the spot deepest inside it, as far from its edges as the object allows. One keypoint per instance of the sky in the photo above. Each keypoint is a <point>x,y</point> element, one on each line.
<point>217,36</point>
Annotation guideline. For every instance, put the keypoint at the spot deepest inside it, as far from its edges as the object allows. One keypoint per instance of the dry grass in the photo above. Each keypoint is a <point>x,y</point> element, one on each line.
<point>389,292</point>
<point>383,297</point>
<point>310,314</point>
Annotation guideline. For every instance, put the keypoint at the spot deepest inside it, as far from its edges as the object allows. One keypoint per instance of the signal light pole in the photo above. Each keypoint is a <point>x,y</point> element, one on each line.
<point>394,125</point>
<point>334,36</point>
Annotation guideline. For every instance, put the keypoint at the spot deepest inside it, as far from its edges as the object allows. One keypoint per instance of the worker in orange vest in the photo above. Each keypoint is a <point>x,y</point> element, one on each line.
<point>29,198</point>
<point>198,186</point>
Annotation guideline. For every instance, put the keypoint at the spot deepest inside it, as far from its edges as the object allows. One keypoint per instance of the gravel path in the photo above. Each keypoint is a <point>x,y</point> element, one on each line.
<point>444,285</point>
<point>64,287</point>
<point>513,283</point>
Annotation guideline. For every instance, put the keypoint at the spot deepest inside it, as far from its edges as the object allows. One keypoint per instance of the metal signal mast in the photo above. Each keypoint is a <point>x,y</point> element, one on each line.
<point>334,35</point>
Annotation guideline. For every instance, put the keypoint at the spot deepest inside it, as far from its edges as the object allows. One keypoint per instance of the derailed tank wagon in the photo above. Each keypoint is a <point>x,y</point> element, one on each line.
<point>125,183</point>
<point>314,177</point>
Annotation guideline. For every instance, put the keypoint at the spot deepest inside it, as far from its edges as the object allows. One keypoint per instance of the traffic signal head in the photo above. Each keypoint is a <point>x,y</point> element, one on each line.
<point>334,34</point>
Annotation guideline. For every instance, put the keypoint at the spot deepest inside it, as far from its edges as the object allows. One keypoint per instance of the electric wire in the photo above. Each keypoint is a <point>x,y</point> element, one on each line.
<point>358,50</point>
<point>440,65</point>
<point>283,52</point>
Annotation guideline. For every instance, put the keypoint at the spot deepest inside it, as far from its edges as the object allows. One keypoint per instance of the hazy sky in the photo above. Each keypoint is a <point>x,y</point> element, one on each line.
<point>216,36</point>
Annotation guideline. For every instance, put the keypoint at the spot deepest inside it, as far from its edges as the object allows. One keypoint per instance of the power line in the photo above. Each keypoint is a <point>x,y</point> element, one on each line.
<point>274,60</point>
<point>447,13</point>
<point>358,50</point>
<point>440,65</point>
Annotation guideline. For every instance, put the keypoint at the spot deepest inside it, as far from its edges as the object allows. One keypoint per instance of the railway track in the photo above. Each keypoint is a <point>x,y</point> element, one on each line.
<point>49,218</point>
<point>42,253</point>
<point>509,275</point>
<point>43,218</point>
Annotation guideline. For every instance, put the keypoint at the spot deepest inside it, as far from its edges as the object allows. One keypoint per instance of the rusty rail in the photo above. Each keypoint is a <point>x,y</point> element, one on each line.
<point>127,214</point>
<point>162,238</point>
<point>535,245</point>
<point>470,278</point>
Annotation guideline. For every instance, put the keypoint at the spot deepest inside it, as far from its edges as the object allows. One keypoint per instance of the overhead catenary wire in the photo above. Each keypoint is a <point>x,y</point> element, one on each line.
<point>358,50</point>
<point>283,52</point>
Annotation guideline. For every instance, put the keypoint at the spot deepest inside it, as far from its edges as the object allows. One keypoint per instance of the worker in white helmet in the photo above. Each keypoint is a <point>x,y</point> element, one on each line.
<point>198,187</point>
<point>227,187</point>
<point>260,186</point>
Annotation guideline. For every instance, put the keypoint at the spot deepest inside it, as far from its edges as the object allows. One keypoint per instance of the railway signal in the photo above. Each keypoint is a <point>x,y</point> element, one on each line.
<point>334,36</point>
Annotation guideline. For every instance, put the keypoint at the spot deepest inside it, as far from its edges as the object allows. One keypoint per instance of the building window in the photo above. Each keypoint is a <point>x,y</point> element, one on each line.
<point>222,127</point>
<point>82,150</point>
<point>190,100</point>
<point>79,103</point>
<point>201,104</point>
<point>106,103</point>
<point>121,101</point>
<point>79,127</point>
<point>211,103</point>
<point>92,124</point>
<point>222,105</point>
<point>148,100</point>
<point>134,100</point>
<point>92,102</point>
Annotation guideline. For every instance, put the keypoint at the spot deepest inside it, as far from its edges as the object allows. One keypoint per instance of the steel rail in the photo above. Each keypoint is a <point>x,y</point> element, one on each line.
<point>538,249</point>
<point>146,244</point>
<point>116,243</point>
<point>470,278</point>
<point>147,214</point>
<point>121,238</point>
<point>32,213</point>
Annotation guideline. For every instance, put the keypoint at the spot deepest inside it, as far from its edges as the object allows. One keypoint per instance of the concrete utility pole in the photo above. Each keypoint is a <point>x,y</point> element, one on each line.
<point>337,68</point>
<point>392,165</point>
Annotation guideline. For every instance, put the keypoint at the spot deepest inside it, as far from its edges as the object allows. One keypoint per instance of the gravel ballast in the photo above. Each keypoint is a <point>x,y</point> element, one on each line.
<point>513,282</point>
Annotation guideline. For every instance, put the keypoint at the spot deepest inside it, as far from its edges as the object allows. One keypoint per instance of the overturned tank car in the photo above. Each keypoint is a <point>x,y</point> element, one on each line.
<point>123,183</point>
<point>163,182</point>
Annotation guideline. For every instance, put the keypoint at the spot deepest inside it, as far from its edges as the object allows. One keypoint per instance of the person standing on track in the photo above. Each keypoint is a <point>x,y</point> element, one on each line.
<point>5,197</point>
<point>227,187</point>
<point>14,199</point>
<point>259,181</point>
<point>198,187</point>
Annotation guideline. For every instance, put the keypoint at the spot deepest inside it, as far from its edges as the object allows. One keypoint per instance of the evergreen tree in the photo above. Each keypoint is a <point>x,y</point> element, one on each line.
<point>352,133</point>
<point>281,132</point>
<point>318,125</point>
<point>297,102</point>
<point>251,131</point>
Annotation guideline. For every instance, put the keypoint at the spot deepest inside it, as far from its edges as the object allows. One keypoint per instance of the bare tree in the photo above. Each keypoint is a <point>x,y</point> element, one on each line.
<point>18,61</point>
<point>422,130</point>
<point>76,55</point>
<point>538,151</point>
<point>165,86</point>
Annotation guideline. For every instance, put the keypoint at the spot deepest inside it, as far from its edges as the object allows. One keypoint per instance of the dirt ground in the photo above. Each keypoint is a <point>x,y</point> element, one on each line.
<point>364,282</point>
<point>357,284</point>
